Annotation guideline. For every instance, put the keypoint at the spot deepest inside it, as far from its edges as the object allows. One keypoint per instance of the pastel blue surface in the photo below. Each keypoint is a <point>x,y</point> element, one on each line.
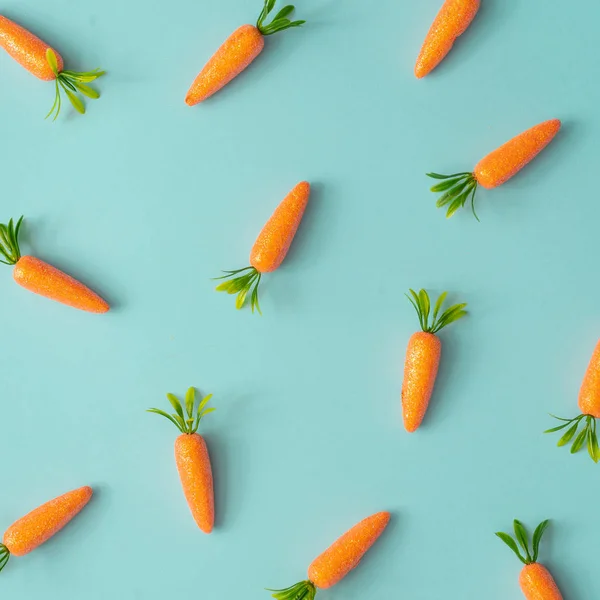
<point>146,199</point>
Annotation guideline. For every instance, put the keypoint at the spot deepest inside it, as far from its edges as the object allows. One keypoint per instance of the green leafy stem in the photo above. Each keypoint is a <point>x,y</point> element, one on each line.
<point>73,83</point>
<point>279,21</point>
<point>4,556</point>
<point>522,537</point>
<point>190,423</point>
<point>457,189</point>
<point>304,590</point>
<point>9,242</point>
<point>242,282</point>
<point>422,305</point>
<point>587,436</point>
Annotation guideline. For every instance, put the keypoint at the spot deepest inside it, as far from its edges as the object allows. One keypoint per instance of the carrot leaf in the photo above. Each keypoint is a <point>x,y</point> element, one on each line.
<point>279,23</point>
<point>422,306</point>
<point>242,282</point>
<point>304,590</point>
<point>4,556</point>
<point>9,242</point>
<point>587,436</point>
<point>522,537</point>
<point>537,538</point>
<point>512,545</point>
<point>457,188</point>
<point>191,424</point>
<point>72,83</point>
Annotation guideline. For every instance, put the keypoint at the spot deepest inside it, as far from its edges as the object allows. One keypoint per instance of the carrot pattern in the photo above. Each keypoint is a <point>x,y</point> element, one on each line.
<point>41,524</point>
<point>192,458</point>
<point>41,278</point>
<point>494,169</point>
<point>423,356</point>
<point>589,404</point>
<point>45,63</point>
<point>238,51</point>
<point>338,560</point>
<point>270,248</point>
<point>452,21</point>
<point>536,581</point>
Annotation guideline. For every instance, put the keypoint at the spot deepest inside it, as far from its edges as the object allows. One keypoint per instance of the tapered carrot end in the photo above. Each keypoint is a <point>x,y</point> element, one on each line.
<point>421,71</point>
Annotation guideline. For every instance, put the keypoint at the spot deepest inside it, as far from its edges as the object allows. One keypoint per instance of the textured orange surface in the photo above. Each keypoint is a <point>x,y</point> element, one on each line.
<point>537,583</point>
<point>42,523</point>
<point>27,49</point>
<point>420,370</point>
<point>41,278</point>
<point>501,164</point>
<point>452,21</point>
<point>345,553</point>
<point>193,464</point>
<point>275,239</point>
<point>234,55</point>
<point>589,393</point>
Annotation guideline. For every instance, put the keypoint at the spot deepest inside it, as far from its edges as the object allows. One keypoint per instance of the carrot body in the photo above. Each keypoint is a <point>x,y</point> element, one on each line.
<point>27,49</point>
<point>195,472</point>
<point>589,393</point>
<point>345,553</point>
<point>41,278</point>
<point>420,371</point>
<point>537,583</point>
<point>504,162</point>
<point>451,22</point>
<point>41,524</point>
<point>234,55</point>
<point>275,239</point>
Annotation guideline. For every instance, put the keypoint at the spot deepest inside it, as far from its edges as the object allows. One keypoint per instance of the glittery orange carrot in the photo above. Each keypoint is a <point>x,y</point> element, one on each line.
<point>45,63</point>
<point>270,247</point>
<point>237,52</point>
<point>41,278</point>
<point>423,356</point>
<point>41,524</point>
<point>589,404</point>
<point>338,560</point>
<point>495,169</point>
<point>452,21</point>
<point>191,457</point>
<point>535,579</point>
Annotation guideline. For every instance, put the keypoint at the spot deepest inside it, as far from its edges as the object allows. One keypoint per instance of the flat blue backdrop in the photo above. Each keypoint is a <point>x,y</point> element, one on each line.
<point>146,199</point>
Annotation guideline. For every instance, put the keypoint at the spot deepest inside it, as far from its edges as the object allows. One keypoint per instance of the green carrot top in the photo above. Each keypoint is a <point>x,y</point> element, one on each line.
<point>190,423</point>
<point>523,538</point>
<point>422,305</point>
<point>9,242</point>
<point>280,21</point>
<point>588,435</point>
<point>457,188</point>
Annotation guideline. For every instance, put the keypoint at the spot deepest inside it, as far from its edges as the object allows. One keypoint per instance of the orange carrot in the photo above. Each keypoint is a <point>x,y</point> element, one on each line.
<point>338,560</point>
<point>237,52</point>
<point>423,357</point>
<point>45,63</point>
<point>191,457</point>
<point>270,248</point>
<point>41,278</point>
<point>452,21</point>
<point>41,524</point>
<point>535,579</point>
<point>589,404</point>
<point>495,169</point>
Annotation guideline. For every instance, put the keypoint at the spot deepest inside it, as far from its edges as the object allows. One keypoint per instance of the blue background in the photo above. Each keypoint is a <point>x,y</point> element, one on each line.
<point>146,199</point>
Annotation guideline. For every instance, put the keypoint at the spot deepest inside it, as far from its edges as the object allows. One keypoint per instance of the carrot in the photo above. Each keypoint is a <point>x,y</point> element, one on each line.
<point>191,457</point>
<point>41,278</point>
<point>452,21</point>
<point>589,404</point>
<point>237,52</point>
<point>535,579</point>
<point>338,560</point>
<point>47,64</point>
<point>495,169</point>
<point>41,524</point>
<point>423,356</point>
<point>270,248</point>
